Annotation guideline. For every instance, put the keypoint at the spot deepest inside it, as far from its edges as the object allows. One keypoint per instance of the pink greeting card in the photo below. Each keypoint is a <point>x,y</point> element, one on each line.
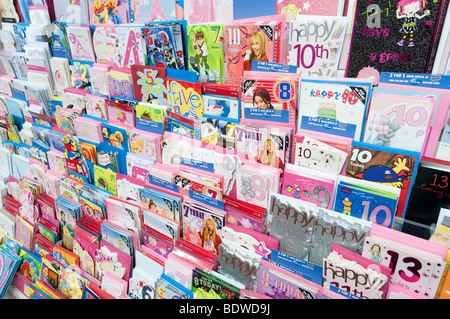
<point>85,246</point>
<point>80,42</point>
<point>204,11</point>
<point>88,129</point>
<point>245,43</point>
<point>439,119</point>
<point>293,8</point>
<point>98,77</point>
<point>252,240</point>
<point>145,143</point>
<point>96,106</point>
<point>120,83</point>
<point>399,121</point>
<point>255,182</point>
<point>120,114</point>
<point>131,46</point>
<point>57,161</point>
<point>308,185</point>
<point>341,261</point>
<point>269,96</point>
<point>106,44</point>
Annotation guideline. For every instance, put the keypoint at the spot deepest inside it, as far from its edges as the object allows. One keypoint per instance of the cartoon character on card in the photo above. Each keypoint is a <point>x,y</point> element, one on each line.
<point>386,175</point>
<point>26,211</point>
<point>375,250</point>
<point>100,12</point>
<point>291,11</point>
<point>386,131</point>
<point>86,261</point>
<point>347,204</point>
<point>409,11</point>
<point>122,118</point>
<point>116,140</point>
<point>137,147</point>
<point>113,15</point>
<point>99,109</point>
<point>201,52</point>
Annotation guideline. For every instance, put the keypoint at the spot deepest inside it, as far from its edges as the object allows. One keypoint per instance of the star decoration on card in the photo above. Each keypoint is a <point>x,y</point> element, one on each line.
<point>335,44</point>
<point>306,5</point>
<point>261,249</point>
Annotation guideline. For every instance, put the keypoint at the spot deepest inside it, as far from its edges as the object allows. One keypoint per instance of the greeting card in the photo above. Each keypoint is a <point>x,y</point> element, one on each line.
<point>294,8</point>
<point>88,129</point>
<point>98,75</point>
<point>145,143</point>
<point>291,221</point>
<point>366,200</point>
<point>372,282</point>
<point>120,83</point>
<point>131,46</point>
<point>162,204</point>
<point>429,195</point>
<point>387,166</point>
<point>154,10</point>
<point>333,106</point>
<point>208,286</point>
<point>205,51</point>
<point>252,240</point>
<point>253,186</point>
<point>245,270</point>
<point>80,74</point>
<point>138,166</point>
<point>269,96</point>
<point>106,46</point>
<point>105,179</point>
<point>107,12</point>
<point>245,43</point>
<point>399,121</point>
<point>160,45</point>
<point>9,262</point>
<point>399,255</point>
<point>392,42</point>
<point>58,41</point>
<point>184,98</point>
<point>149,84</point>
<point>70,11</point>
<point>278,283</point>
<point>203,226</point>
<point>221,107</point>
<point>327,232</point>
<point>71,284</point>
<point>202,11</point>
<point>80,42</point>
<point>308,185</point>
<point>96,106</point>
<point>120,114</point>
<point>57,161</point>
<point>264,145</point>
<point>316,53</point>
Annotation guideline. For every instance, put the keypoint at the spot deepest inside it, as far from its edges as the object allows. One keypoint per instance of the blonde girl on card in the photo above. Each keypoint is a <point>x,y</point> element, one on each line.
<point>257,51</point>
<point>210,240</point>
<point>291,11</point>
<point>138,147</point>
